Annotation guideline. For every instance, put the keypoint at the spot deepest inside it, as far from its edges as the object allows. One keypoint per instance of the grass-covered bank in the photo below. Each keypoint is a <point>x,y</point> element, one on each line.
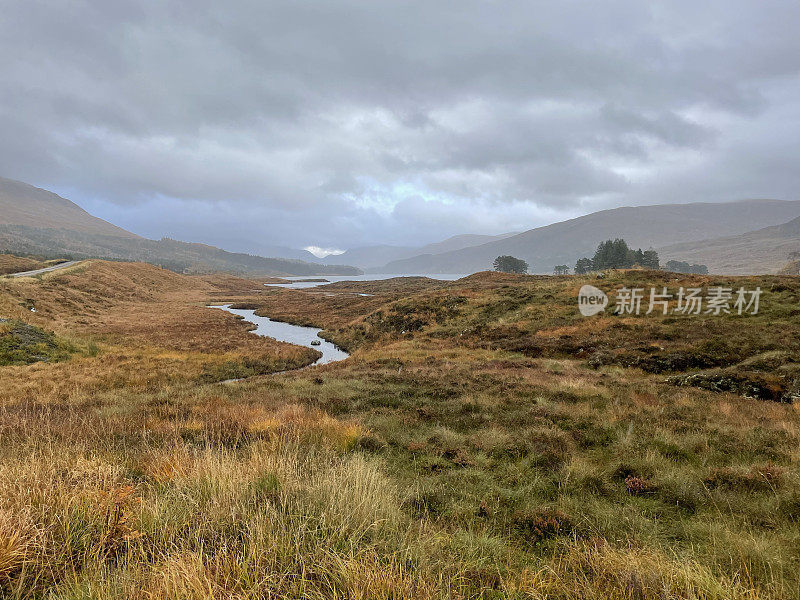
<point>482,441</point>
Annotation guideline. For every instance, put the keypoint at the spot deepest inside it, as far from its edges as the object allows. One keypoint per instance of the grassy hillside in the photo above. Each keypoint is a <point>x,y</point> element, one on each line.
<point>171,254</point>
<point>762,251</point>
<point>23,204</point>
<point>16,264</point>
<point>10,263</point>
<point>483,441</point>
<point>641,227</point>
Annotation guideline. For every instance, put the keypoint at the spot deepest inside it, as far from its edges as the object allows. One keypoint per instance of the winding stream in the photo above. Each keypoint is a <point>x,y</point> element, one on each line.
<point>292,334</point>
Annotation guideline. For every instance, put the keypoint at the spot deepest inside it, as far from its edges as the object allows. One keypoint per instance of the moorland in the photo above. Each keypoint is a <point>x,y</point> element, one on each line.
<point>483,440</point>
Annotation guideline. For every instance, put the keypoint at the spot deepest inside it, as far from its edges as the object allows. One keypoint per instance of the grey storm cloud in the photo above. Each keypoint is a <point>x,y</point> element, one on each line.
<point>353,122</point>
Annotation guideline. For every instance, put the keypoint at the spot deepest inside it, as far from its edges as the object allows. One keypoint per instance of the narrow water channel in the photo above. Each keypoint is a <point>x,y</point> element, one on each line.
<point>292,334</point>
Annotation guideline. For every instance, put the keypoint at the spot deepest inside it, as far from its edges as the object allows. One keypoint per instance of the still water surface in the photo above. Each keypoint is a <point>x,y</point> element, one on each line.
<point>293,334</point>
<point>299,284</point>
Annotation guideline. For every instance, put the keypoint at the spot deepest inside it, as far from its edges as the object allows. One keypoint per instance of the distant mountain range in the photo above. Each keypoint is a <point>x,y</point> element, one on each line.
<point>745,237</point>
<point>374,257</point>
<point>766,250</point>
<point>671,227</point>
<point>34,221</point>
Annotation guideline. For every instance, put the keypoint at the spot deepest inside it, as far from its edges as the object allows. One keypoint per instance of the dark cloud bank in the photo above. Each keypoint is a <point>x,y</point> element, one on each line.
<point>338,124</point>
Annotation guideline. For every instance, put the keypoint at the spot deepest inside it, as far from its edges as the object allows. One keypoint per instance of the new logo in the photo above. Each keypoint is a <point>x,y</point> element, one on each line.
<point>591,301</point>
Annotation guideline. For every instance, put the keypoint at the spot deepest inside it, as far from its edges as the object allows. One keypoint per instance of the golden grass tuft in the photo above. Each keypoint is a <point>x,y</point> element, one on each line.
<point>592,570</point>
<point>15,545</point>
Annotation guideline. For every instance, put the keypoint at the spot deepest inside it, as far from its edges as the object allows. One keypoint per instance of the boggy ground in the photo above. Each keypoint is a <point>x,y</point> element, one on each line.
<point>483,440</point>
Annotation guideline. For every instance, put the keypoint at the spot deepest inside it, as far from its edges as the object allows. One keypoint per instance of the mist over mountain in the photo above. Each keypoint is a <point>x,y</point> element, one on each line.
<point>375,257</point>
<point>34,221</point>
<point>262,249</point>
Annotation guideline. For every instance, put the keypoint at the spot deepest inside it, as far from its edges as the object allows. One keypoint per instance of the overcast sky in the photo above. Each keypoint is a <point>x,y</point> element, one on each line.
<point>347,123</point>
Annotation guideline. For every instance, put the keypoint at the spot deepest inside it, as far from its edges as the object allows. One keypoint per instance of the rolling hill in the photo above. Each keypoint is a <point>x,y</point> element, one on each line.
<point>643,226</point>
<point>36,222</point>
<point>765,251</point>
<point>23,204</point>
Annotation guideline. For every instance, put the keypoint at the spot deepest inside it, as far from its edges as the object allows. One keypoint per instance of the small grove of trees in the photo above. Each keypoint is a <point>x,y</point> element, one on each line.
<point>561,270</point>
<point>509,264</point>
<point>584,265</point>
<point>615,254</point>
<point>678,266</point>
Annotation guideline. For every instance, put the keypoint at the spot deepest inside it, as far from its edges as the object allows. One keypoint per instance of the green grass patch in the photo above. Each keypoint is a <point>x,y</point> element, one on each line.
<point>24,344</point>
